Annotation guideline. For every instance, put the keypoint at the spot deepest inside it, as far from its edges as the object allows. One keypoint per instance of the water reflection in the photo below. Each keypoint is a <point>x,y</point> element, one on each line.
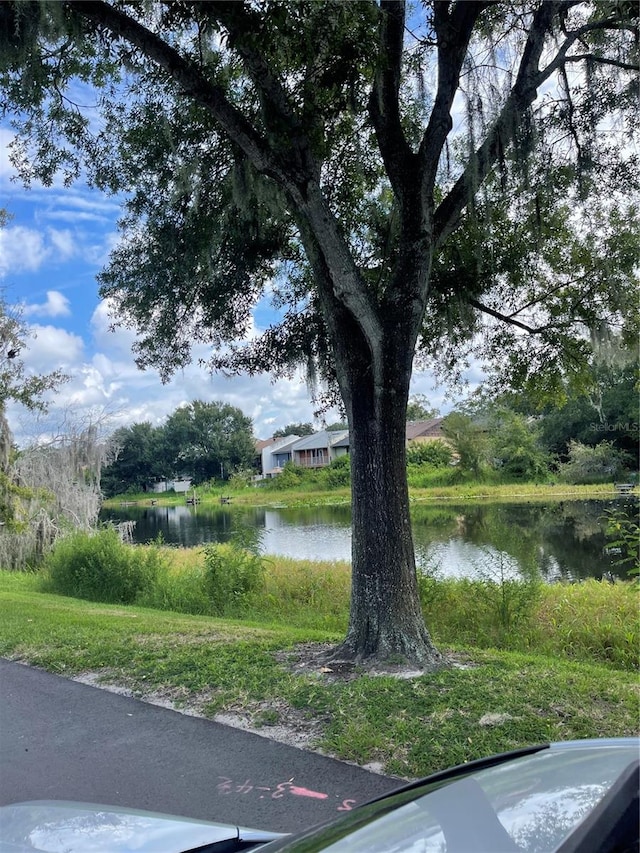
<point>562,540</point>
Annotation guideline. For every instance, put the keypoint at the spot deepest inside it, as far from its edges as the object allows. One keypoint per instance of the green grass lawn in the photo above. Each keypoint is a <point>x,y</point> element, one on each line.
<point>489,701</point>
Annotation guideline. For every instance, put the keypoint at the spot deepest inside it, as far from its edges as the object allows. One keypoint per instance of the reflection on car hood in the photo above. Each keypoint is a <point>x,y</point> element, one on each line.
<point>58,827</point>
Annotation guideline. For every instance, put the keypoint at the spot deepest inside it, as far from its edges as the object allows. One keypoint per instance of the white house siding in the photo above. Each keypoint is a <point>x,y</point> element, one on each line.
<point>177,485</point>
<point>275,455</point>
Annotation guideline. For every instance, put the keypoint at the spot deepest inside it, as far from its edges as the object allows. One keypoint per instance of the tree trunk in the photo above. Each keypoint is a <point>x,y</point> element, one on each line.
<point>373,341</point>
<point>386,621</point>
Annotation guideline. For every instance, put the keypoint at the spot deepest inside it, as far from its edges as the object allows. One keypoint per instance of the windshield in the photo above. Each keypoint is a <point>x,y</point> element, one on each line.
<point>528,804</point>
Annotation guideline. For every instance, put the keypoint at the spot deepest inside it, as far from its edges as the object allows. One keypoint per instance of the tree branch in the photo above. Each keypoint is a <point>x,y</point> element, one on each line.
<point>453,31</point>
<point>303,190</point>
<point>278,112</point>
<point>547,293</point>
<point>199,87</point>
<point>412,175</point>
<point>240,22</point>
<point>399,159</point>
<point>562,57</point>
<point>602,60</point>
<point>509,319</point>
<point>521,97</point>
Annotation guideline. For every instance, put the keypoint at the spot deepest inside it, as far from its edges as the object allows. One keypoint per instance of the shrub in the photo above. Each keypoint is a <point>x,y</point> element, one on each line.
<point>99,567</point>
<point>290,477</point>
<point>241,478</point>
<point>232,575</point>
<point>470,440</point>
<point>623,538</point>
<point>516,449</point>
<point>600,464</point>
<point>436,454</point>
<point>338,473</point>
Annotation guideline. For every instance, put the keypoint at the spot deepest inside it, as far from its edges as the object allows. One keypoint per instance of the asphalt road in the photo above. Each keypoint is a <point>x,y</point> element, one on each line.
<point>68,741</point>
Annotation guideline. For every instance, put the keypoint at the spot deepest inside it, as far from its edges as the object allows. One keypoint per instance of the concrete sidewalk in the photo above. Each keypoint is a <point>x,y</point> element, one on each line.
<point>63,740</point>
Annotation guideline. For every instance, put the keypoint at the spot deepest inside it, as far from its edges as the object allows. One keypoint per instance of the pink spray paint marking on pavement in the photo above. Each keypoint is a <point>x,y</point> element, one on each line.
<point>227,786</point>
<point>305,792</point>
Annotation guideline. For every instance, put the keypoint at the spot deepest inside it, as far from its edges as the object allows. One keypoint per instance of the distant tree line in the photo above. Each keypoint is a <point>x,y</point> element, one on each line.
<point>591,437</point>
<point>204,441</point>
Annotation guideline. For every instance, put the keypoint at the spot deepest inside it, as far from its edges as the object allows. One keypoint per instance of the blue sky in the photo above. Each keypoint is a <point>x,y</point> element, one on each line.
<point>50,253</point>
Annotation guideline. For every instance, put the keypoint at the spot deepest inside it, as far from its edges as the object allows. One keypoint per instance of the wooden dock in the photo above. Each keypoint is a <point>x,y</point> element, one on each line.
<point>624,488</point>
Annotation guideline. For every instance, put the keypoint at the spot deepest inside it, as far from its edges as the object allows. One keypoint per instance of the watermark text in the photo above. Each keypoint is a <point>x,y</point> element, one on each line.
<point>614,426</point>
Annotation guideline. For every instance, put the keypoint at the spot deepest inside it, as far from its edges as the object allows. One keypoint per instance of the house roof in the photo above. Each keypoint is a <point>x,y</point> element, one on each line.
<point>286,445</point>
<point>322,439</point>
<point>424,429</point>
<point>342,442</point>
<point>275,443</point>
<point>313,442</point>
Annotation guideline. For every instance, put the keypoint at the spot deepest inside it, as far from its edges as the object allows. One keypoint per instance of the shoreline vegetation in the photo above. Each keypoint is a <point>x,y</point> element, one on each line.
<point>261,496</point>
<point>234,636</point>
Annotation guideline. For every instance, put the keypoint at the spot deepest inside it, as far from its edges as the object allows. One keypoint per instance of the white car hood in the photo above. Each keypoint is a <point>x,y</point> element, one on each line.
<point>60,827</point>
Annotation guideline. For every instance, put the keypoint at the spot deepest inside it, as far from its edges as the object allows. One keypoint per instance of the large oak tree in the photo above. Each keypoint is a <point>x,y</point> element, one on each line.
<point>361,163</point>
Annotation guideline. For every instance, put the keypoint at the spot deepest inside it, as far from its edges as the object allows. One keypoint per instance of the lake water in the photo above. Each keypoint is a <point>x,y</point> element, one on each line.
<point>562,540</point>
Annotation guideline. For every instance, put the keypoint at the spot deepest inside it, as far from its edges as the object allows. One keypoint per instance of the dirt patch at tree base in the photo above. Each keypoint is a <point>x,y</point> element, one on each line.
<point>316,659</point>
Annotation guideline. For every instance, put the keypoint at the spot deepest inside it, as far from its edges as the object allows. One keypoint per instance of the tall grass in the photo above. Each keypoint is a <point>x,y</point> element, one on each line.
<point>310,594</point>
<point>99,567</point>
<point>429,484</point>
<point>589,621</point>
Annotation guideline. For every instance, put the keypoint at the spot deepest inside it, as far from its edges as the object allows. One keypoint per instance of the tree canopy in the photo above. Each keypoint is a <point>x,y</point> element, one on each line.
<point>396,179</point>
<point>138,457</point>
<point>16,382</point>
<point>209,440</point>
<point>418,409</point>
<point>294,429</point>
<point>203,441</point>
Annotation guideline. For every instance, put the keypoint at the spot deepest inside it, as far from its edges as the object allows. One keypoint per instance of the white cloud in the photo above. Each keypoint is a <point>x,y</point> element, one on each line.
<point>89,388</point>
<point>441,397</point>
<point>62,243</point>
<point>77,204</point>
<point>50,348</point>
<point>57,305</point>
<point>104,378</point>
<point>97,252</point>
<point>24,249</point>
<point>110,382</point>
<point>21,250</point>
<point>105,339</point>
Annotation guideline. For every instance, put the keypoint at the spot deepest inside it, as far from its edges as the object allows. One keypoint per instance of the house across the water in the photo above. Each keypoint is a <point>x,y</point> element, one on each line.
<point>321,448</point>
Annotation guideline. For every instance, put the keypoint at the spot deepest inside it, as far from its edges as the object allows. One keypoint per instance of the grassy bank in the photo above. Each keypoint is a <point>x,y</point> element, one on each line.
<point>593,621</point>
<point>530,662</point>
<point>489,701</point>
<point>467,491</point>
